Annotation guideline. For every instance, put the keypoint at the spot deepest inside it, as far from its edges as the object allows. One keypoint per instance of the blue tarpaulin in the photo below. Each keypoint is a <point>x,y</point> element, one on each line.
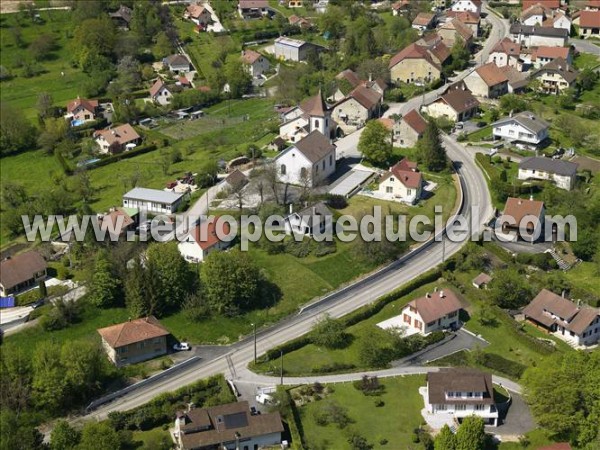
<point>7,302</point>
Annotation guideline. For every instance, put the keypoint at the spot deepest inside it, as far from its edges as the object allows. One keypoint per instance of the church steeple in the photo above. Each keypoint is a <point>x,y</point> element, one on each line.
<point>319,114</point>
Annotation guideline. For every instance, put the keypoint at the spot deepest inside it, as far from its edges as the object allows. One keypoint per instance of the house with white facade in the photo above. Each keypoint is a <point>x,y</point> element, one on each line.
<point>523,129</point>
<point>473,6</point>
<point>457,104</point>
<point>293,49</point>
<point>312,114</point>
<point>558,20</point>
<point>588,23</point>
<point>506,53</point>
<point>204,239</point>
<point>435,311</point>
<point>409,129</point>
<point>81,110</point>
<point>152,200</point>
<point>177,63</point>
<point>522,219</point>
<point>253,9</point>
<point>308,221</point>
<point>531,35</point>
<point>309,161</point>
<point>535,14</point>
<point>460,392</point>
<point>556,76</point>
<point>487,81</point>
<point>576,325</point>
<point>198,14</point>
<point>562,173</point>
<point>403,182</point>
<point>255,63</point>
<point>227,427</point>
<point>423,21</point>
<point>116,139</point>
<point>542,55</point>
<point>160,92</point>
<point>470,19</point>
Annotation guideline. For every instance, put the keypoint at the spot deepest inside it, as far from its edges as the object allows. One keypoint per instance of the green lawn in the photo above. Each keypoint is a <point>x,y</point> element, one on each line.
<point>21,92</point>
<point>585,276</point>
<point>535,439</point>
<point>586,61</point>
<point>482,134</point>
<point>394,421</point>
<point>152,439</point>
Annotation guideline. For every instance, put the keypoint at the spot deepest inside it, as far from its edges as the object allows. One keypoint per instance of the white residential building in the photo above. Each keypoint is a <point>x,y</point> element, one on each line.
<point>308,221</point>
<point>255,63</point>
<point>532,36</point>
<point>292,49</point>
<point>523,129</point>
<point>152,200</point>
<point>402,182</point>
<point>204,239</point>
<point>473,6</point>
<point>562,173</point>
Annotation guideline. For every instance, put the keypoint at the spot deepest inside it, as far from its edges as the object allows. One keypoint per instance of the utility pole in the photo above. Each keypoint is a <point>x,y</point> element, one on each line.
<point>281,370</point>
<point>254,327</point>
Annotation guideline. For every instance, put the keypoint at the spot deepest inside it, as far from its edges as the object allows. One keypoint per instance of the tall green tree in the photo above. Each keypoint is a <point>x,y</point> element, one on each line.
<point>64,436</point>
<point>136,292</point>
<point>104,287</point>
<point>99,436</point>
<point>460,54</point>
<point>238,78</point>
<point>82,369</point>
<point>471,434</point>
<point>17,435</point>
<point>49,383</point>
<point>231,282</point>
<point>430,150</point>
<point>330,333</point>
<point>375,143</point>
<point>510,289</point>
<point>15,379</point>
<point>16,132</point>
<point>445,440</point>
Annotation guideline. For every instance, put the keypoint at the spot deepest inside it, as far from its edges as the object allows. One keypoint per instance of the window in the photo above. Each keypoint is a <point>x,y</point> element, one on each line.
<point>389,190</point>
<point>303,172</point>
<point>409,191</point>
<point>323,164</point>
<point>407,319</point>
<point>316,124</point>
<point>330,160</point>
<point>460,407</point>
<point>440,407</point>
<point>479,407</point>
<point>283,169</point>
<point>392,179</point>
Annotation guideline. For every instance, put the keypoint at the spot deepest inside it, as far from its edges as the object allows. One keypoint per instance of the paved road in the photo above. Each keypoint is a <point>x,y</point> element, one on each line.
<point>586,46</point>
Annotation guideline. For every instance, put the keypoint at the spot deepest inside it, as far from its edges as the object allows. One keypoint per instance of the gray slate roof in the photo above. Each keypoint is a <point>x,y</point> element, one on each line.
<point>528,30</point>
<point>315,214</point>
<point>549,165</point>
<point>528,120</point>
<point>315,146</point>
<point>153,195</point>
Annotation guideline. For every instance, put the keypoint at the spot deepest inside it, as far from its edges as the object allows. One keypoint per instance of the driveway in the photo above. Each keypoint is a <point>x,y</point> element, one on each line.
<point>517,422</point>
<point>455,342</point>
<point>525,247</point>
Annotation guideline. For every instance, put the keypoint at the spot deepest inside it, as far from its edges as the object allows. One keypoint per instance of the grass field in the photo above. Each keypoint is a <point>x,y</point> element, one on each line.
<point>21,92</point>
<point>393,422</point>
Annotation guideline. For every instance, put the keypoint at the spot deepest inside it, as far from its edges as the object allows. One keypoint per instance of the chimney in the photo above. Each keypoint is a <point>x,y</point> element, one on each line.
<point>563,293</point>
<point>370,76</point>
<point>442,294</point>
<point>531,198</point>
<point>435,289</point>
<point>510,114</point>
<point>314,210</point>
<point>520,202</point>
<point>427,295</point>
<point>291,208</point>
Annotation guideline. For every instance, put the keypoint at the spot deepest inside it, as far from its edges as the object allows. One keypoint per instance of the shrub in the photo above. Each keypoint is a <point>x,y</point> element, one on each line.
<point>496,362</point>
<point>334,368</point>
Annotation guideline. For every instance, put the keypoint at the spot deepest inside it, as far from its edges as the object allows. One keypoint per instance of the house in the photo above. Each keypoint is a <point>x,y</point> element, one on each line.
<point>402,182</point>
<point>22,271</point>
<point>517,80</point>
<point>122,17</point>
<point>410,129</point>
<point>435,311</point>
<point>321,6</point>
<point>277,144</point>
<point>160,92</point>
<point>592,5</point>
<point>227,427</point>
<point>198,14</point>
<point>552,5</point>
<point>559,20</point>
<point>506,53</point>
<point>562,173</point>
<point>487,81</point>
<point>531,36</point>
<point>360,105</point>
<point>535,14</point>
<point>436,48</point>
<point>457,104</point>
<point>301,22</point>
<point>81,110</point>
<point>309,161</point>
<point>312,114</point>
<point>134,341</point>
<point>468,18</point>
<point>543,55</point>
<point>204,239</point>
<point>423,21</point>
<point>523,218</point>
<point>249,9</point>
<point>236,180</point>
<point>453,28</point>
<point>414,63</point>
<point>556,76</point>
<point>345,81</point>
<point>118,221</point>
<point>523,129</point>
<point>308,221</point>
<point>255,63</point>
<point>400,7</point>
<point>577,325</point>
<point>293,49</point>
<point>152,200</point>
<point>482,280</point>
<point>473,6</point>
<point>589,24</point>
<point>177,63</point>
<point>460,392</point>
<point>115,140</point>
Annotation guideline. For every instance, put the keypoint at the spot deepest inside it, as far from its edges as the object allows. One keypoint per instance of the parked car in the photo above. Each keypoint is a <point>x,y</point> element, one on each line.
<point>182,347</point>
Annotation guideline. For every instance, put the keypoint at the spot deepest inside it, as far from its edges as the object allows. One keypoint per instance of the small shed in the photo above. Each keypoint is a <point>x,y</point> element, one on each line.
<point>482,280</point>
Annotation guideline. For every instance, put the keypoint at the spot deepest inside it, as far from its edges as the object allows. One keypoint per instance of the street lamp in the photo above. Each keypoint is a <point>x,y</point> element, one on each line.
<point>281,369</point>
<point>254,328</point>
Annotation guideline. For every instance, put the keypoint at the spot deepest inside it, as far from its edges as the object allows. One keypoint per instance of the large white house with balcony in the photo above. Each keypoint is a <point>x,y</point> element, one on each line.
<point>460,392</point>
<point>523,129</point>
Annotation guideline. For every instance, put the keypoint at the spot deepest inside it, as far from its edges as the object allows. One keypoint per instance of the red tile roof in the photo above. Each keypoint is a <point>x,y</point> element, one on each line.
<point>408,178</point>
<point>133,331</point>
<point>314,106</point>
<point>423,19</point>
<point>121,134</point>
<point>435,306</point>
<point>469,17</point>
<point>552,4</point>
<point>463,31</point>
<point>195,11</point>
<point>518,208</point>
<point>247,4</point>
<point>406,164</point>
<point>507,47</point>
<point>414,120</point>
<point>157,87</point>
<point>387,122</point>
<point>550,52</point>
<point>491,74</point>
<point>460,100</point>
<point>369,98</point>
<point>205,234</point>
<point>413,51</point>
<point>89,105</point>
<point>250,56</point>
<point>589,19</point>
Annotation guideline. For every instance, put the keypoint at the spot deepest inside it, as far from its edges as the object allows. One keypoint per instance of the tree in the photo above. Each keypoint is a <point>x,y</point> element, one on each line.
<point>13,195</point>
<point>471,434</point>
<point>207,173</point>
<point>460,54</point>
<point>99,436</point>
<point>509,289</point>
<point>374,143</point>
<point>587,79</point>
<point>16,132</point>
<point>430,150</point>
<point>512,102</point>
<point>63,436</point>
<point>55,131</point>
<point>238,78</point>
<point>329,333</point>
<point>15,379</point>
<point>82,364</point>
<point>42,46</point>
<point>372,353</point>
<point>44,105</point>
<point>445,440</point>
<point>17,435</point>
<point>232,282</point>
<point>136,297</point>
<point>163,46</point>
<point>49,384</point>
<point>105,287</point>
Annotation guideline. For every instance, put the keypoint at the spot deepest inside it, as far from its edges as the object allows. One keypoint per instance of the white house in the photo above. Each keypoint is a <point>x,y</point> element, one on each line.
<point>255,63</point>
<point>506,53</point>
<point>535,15</point>
<point>160,93</point>
<point>562,173</point>
<point>578,326</point>
<point>177,63</point>
<point>473,6</point>
<point>402,182</point>
<point>253,8</point>
<point>203,240</point>
<point>558,20</point>
<point>292,49</point>
<point>588,23</point>
<point>312,114</point>
<point>462,392</point>
<point>434,312</point>
<point>556,76</point>
<point>152,200</point>
<point>423,21</point>
<point>542,55</point>
<point>308,221</point>
<point>227,427</point>
<point>116,139</point>
<point>523,129</point>
<point>197,14</point>
<point>531,36</point>
<point>309,161</point>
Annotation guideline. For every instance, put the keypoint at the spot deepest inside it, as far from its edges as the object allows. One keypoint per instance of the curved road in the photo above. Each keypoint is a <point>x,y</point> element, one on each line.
<point>476,207</point>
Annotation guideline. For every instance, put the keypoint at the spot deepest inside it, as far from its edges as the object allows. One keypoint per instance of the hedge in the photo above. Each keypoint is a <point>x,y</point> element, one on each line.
<point>500,364</point>
<point>124,155</point>
<point>296,435</point>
